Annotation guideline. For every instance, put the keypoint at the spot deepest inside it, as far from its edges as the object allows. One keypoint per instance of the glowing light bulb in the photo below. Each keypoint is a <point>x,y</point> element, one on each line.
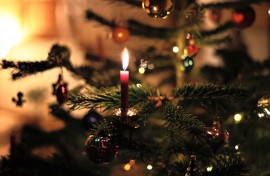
<point>132,162</point>
<point>267,111</point>
<point>236,147</point>
<point>175,49</point>
<point>120,34</point>
<point>260,115</point>
<point>149,167</point>
<point>141,70</point>
<point>238,118</point>
<point>139,85</point>
<point>209,168</point>
<point>127,167</point>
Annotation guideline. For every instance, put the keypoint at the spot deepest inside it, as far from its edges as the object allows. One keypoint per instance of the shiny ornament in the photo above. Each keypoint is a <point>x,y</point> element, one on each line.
<point>243,17</point>
<point>263,107</point>
<point>120,34</point>
<point>158,8</point>
<point>192,50</point>
<point>192,167</point>
<point>60,90</point>
<point>215,135</point>
<point>62,93</point>
<point>187,64</point>
<point>100,149</point>
<point>92,117</point>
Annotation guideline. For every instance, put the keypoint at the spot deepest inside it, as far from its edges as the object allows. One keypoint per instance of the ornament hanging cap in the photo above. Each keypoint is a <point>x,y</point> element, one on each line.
<point>216,123</point>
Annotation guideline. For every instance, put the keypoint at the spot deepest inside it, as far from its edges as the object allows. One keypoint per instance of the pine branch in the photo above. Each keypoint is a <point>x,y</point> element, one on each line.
<point>178,121</point>
<point>231,167</point>
<point>57,56</point>
<point>207,95</point>
<point>217,41</point>
<point>108,98</point>
<point>144,30</point>
<point>179,128</point>
<point>218,30</point>
<point>135,27</point>
<point>234,4</point>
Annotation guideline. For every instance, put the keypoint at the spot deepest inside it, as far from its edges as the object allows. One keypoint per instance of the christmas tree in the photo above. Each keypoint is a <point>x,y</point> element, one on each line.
<point>132,127</point>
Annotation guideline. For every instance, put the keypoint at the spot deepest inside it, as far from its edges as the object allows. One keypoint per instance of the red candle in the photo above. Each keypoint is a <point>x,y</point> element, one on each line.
<point>124,78</point>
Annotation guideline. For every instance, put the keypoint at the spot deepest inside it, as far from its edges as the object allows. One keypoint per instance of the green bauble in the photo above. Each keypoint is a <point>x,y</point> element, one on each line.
<point>187,64</point>
<point>158,8</point>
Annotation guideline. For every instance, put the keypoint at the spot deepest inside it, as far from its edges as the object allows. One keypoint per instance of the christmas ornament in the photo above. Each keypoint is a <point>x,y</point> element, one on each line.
<point>120,34</point>
<point>20,100</point>
<point>191,47</point>
<point>61,93</point>
<point>263,110</point>
<point>187,64</point>
<point>192,168</point>
<point>215,15</point>
<point>243,17</point>
<point>91,118</point>
<point>215,135</point>
<point>100,149</point>
<point>60,90</point>
<point>158,8</point>
<point>192,50</point>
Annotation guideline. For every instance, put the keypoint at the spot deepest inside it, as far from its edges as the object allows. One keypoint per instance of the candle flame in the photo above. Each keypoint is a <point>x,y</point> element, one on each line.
<point>125,59</point>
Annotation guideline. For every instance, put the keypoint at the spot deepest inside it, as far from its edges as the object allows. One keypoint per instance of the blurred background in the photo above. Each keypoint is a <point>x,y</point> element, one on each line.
<point>28,29</point>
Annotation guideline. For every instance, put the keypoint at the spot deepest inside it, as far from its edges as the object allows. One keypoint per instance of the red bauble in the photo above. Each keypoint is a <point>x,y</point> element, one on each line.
<point>100,149</point>
<point>120,34</point>
<point>62,93</point>
<point>243,17</point>
<point>215,135</point>
<point>215,15</point>
<point>192,50</point>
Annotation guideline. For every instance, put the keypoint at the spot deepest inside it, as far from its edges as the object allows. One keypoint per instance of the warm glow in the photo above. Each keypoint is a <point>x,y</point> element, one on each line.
<point>125,59</point>
<point>132,162</point>
<point>175,49</point>
<point>260,115</point>
<point>120,34</point>
<point>209,168</point>
<point>238,117</point>
<point>236,147</point>
<point>149,167</point>
<point>267,111</point>
<point>141,70</point>
<point>127,167</point>
<point>10,34</point>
